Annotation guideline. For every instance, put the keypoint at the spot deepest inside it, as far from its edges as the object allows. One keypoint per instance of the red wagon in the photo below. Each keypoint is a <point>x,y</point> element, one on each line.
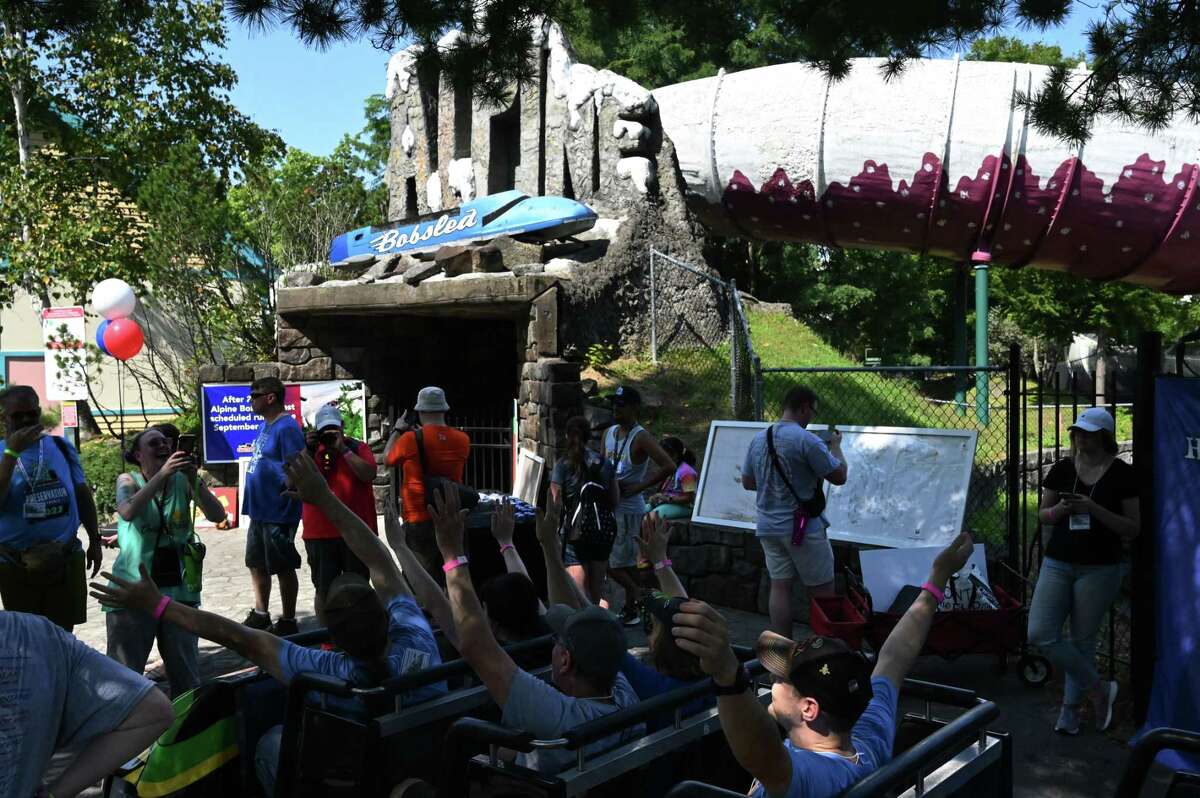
<point>1001,632</point>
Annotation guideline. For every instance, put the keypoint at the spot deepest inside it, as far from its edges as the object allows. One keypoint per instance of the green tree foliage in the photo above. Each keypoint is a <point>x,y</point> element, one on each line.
<point>1142,52</point>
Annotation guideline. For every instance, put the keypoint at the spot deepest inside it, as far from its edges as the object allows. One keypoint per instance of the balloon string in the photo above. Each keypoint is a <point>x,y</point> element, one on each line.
<point>121,403</point>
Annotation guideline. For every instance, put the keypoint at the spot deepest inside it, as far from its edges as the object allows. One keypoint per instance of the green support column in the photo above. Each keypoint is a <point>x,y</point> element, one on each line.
<point>981,260</point>
<point>959,355</point>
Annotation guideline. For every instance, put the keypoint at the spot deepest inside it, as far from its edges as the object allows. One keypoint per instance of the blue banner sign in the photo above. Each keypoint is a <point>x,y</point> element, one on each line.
<point>1175,694</point>
<point>230,424</point>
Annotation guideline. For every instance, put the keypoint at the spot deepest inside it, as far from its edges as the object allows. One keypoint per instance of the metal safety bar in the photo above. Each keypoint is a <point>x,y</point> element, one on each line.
<point>1148,747</point>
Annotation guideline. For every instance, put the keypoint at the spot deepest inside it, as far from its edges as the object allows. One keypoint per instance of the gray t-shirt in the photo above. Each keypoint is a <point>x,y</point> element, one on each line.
<point>55,693</point>
<point>542,710</point>
<point>805,459</point>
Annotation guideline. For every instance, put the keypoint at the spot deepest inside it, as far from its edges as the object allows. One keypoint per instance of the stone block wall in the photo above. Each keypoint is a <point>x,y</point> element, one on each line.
<point>727,568</point>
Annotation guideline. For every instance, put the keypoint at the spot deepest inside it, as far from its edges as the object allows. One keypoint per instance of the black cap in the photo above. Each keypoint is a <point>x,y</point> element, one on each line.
<point>593,636</point>
<point>822,668</point>
<point>624,395</point>
<point>661,606</point>
<point>355,616</point>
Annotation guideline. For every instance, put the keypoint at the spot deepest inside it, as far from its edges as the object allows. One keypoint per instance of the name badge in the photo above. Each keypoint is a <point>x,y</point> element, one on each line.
<point>47,499</point>
<point>1080,522</point>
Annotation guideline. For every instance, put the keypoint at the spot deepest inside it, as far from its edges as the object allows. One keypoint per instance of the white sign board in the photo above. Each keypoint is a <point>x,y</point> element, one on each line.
<point>63,336</point>
<point>886,572</point>
<point>907,487</point>
<point>530,469</point>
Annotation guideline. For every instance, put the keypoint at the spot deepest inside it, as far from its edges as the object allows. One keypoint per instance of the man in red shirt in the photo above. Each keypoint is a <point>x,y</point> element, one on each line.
<point>446,451</point>
<point>349,468</point>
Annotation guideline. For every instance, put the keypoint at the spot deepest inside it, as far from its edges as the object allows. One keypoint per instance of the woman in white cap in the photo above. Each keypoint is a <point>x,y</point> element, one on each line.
<point>1090,500</point>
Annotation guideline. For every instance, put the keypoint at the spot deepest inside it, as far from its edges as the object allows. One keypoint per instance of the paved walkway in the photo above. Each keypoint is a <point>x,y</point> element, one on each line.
<point>1045,764</point>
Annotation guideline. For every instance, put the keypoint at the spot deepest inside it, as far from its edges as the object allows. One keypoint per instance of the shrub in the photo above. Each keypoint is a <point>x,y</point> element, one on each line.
<point>102,463</point>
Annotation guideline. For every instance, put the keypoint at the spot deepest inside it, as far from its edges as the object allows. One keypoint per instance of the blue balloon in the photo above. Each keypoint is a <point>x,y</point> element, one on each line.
<point>100,337</point>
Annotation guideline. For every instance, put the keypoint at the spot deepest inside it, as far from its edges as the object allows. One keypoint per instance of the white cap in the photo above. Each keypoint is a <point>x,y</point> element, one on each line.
<point>431,400</point>
<point>328,416</point>
<point>1095,419</point>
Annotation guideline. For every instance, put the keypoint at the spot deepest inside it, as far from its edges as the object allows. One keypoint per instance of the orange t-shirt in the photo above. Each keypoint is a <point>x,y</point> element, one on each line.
<point>446,451</point>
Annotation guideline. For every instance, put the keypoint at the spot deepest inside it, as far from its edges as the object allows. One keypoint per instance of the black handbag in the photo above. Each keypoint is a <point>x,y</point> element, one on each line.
<point>468,497</point>
<point>805,508</point>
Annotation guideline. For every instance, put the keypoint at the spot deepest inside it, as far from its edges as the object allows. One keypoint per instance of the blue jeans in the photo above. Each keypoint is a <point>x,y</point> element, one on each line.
<point>1082,593</point>
<point>266,758</point>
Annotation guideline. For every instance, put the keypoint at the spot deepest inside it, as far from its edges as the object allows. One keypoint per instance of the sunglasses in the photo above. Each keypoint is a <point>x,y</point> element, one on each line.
<point>259,395</point>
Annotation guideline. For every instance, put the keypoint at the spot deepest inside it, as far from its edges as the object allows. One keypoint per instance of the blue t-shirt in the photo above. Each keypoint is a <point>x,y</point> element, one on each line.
<point>56,693</point>
<point>412,648</point>
<point>648,683</point>
<point>546,712</point>
<point>805,459</point>
<point>40,505</point>
<point>826,775</point>
<point>265,480</point>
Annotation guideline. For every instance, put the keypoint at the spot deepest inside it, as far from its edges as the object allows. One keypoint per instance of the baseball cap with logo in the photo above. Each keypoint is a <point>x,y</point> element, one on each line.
<point>328,416</point>
<point>593,636</point>
<point>1094,419</point>
<point>822,668</point>
<point>624,395</point>
<point>431,400</point>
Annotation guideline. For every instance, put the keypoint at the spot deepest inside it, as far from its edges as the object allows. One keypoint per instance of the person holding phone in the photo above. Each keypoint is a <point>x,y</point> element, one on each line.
<point>154,509</point>
<point>349,467</point>
<point>1090,502</point>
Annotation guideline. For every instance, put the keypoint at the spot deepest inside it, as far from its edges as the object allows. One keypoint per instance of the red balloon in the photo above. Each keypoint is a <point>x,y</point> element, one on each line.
<point>123,339</point>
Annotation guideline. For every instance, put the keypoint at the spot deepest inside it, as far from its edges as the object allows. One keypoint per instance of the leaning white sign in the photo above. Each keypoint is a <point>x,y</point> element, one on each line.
<point>907,487</point>
<point>63,336</point>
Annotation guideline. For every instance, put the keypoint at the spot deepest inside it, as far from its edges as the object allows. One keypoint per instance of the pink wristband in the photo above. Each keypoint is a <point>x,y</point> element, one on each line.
<point>162,607</point>
<point>934,591</point>
<point>450,565</point>
<point>661,564</point>
<point>506,547</point>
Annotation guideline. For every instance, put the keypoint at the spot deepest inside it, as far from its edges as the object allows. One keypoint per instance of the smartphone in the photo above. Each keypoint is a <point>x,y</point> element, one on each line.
<point>187,444</point>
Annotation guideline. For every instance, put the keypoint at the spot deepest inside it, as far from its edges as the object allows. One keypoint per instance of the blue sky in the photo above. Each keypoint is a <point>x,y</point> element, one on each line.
<point>312,98</point>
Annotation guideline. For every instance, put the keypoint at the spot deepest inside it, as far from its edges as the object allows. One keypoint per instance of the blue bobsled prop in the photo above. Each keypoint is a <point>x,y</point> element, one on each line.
<point>509,213</point>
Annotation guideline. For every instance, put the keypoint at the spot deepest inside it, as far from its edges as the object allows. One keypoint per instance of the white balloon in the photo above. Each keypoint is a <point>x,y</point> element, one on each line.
<point>113,299</point>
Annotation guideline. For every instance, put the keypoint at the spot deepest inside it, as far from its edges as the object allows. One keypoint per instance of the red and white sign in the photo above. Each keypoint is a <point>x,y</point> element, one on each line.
<point>63,335</point>
<point>70,415</point>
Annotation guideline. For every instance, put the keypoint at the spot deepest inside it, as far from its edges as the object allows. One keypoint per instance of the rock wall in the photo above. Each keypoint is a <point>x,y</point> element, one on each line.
<point>572,131</point>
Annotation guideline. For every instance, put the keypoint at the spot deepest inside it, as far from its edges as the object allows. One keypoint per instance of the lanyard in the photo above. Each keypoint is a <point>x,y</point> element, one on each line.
<point>39,472</point>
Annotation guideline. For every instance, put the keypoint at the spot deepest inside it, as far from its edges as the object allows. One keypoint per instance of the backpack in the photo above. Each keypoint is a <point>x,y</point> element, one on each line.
<point>592,520</point>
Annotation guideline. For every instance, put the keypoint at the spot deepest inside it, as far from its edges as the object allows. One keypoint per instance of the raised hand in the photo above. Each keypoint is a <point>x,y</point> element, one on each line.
<point>951,559</point>
<point>548,523</point>
<point>304,480</point>
<point>448,523</point>
<point>503,522</point>
<point>656,532</point>
<point>393,527</point>
<point>141,595</point>
<point>178,461</point>
<point>701,630</point>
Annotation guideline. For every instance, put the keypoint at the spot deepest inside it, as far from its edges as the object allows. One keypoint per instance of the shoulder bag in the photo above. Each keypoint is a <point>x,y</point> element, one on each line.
<point>805,508</point>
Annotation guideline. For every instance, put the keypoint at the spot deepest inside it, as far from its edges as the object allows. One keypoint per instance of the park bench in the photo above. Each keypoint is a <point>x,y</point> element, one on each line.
<point>638,767</point>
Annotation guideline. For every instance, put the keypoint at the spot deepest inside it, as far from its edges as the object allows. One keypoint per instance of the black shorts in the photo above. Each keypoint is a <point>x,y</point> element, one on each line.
<point>328,558</point>
<point>271,547</point>
<point>61,598</point>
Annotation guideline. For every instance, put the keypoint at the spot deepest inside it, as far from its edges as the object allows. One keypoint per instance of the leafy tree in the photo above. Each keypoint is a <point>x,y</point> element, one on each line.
<point>1141,51</point>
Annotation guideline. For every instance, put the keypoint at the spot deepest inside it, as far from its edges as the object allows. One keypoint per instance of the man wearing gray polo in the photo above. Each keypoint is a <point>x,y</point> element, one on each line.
<point>794,543</point>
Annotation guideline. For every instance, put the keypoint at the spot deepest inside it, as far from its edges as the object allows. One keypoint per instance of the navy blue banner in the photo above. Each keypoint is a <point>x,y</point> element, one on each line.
<point>1175,695</point>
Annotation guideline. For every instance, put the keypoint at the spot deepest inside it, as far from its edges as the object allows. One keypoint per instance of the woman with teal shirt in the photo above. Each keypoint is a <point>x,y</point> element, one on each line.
<point>154,505</point>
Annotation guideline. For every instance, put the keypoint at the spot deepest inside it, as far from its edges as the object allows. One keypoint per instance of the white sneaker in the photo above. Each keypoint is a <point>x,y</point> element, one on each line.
<point>1068,720</point>
<point>1103,703</point>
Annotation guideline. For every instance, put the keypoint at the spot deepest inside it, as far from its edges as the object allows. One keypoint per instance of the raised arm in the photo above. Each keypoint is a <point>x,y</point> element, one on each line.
<point>751,732</point>
<point>904,644</point>
<point>560,587</point>
<point>131,499</point>
<point>656,531</point>
<point>309,486</point>
<point>476,642</point>
<point>260,647</point>
<point>503,523</point>
<point>15,442</point>
<point>429,594</point>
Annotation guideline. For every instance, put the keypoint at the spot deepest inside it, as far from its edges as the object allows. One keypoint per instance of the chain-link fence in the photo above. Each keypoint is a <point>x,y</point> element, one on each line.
<point>699,348</point>
<point>933,397</point>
